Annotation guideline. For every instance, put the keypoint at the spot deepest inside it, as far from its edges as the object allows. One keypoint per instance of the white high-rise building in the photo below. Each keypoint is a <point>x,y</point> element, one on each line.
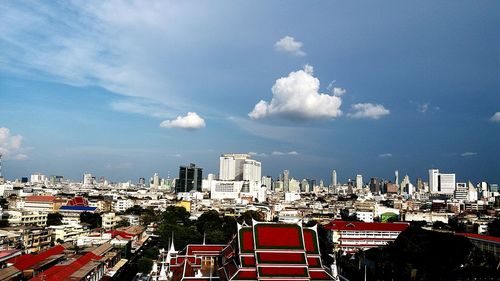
<point>334,178</point>
<point>286,180</point>
<point>359,181</point>
<point>447,183</point>
<point>237,167</point>
<point>37,178</point>
<point>433,180</point>
<point>441,183</point>
<point>88,179</point>
<point>156,181</point>
<point>252,170</point>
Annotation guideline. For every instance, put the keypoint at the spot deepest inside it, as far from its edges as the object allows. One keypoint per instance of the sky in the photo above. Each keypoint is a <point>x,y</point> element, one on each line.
<point>124,89</point>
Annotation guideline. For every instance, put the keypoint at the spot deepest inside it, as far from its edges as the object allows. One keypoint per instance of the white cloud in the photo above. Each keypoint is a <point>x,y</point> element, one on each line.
<point>289,45</point>
<point>257,154</point>
<point>422,108</point>
<point>465,154</point>
<point>297,97</point>
<point>280,153</point>
<point>11,145</point>
<point>385,155</point>
<point>336,91</point>
<point>368,110</point>
<point>495,117</point>
<point>191,121</point>
<point>140,106</point>
<point>116,45</point>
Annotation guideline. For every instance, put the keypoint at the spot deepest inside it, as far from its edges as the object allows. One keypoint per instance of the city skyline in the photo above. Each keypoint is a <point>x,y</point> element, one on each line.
<point>126,90</point>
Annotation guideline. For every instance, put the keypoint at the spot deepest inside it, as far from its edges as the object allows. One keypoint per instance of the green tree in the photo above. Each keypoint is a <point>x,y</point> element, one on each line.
<point>249,215</point>
<point>135,210</point>
<point>54,219</point>
<point>176,215</point>
<point>122,223</point>
<point>144,265</point>
<point>92,219</point>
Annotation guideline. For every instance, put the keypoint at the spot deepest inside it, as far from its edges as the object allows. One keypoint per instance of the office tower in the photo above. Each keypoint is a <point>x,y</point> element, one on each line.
<point>304,186</point>
<point>433,180</point>
<point>396,177</point>
<point>252,170</point>
<point>405,184</point>
<point>374,185</point>
<point>267,181</point>
<point>359,181</point>
<point>190,178</point>
<point>286,180</point>
<point>156,181</point>
<point>461,192</point>
<point>334,178</point>
<point>420,185</point>
<point>494,187</point>
<point>441,183</point>
<point>142,181</point>
<point>238,167</point>
<point>293,186</point>
<point>446,183</point>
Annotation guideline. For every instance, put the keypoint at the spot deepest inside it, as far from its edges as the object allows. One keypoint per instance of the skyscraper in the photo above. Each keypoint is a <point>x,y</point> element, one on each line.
<point>334,178</point>
<point>433,180</point>
<point>396,177</point>
<point>359,181</point>
<point>190,178</point>
<point>238,167</point>
<point>286,180</point>
<point>156,181</point>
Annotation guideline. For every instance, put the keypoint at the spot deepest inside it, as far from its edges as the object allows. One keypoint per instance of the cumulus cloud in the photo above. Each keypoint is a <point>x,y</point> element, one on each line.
<point>368,110</point>
<point>191,121</point>
<point>289,45</point>
<point>336,91</point>
<point>495,117</point>
<point>11,145</point>
<point>297,97</point>
<point>465,154</point>
<point>385,155</point>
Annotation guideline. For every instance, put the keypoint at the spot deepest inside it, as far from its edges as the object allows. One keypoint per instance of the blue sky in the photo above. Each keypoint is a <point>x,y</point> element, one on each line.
<point>125,89</point>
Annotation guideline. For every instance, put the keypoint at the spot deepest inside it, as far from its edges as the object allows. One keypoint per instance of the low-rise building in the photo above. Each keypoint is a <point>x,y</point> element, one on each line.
<point>350,236</point>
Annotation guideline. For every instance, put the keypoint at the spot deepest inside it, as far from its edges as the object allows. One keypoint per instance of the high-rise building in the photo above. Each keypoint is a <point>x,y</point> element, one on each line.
<point>374,185</point>
<point>359,181</point>
<point>238,167</point>
<point>334,178</point>
<point>286,180</point>
<point>88,179</point>
<point>304,186</point>
<point>433,180</point>
<point>396,177</point>
<point>441,183</point>
<point>156,181</point>
<point>267,181</point>
<point>190,178</point>
<point>142,181</point>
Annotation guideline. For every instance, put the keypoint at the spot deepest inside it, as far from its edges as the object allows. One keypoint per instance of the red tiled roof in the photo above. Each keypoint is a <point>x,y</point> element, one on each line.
<point>480,237</point>
<point>205,250</point>
<point>25,261</point>
<point>278,236</point>
<point>280,258</point>
<point>123,234</point>
<point>78,201</point>
<point>311,241</point>
<point>38,198</point>
<point>319,275</point>
<point>282,271</point>
<point>366,226</point>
